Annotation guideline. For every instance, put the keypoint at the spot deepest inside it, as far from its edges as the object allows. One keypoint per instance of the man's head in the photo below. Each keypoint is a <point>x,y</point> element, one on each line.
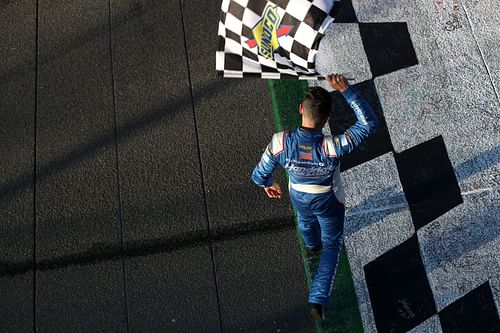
<point>316,107</point>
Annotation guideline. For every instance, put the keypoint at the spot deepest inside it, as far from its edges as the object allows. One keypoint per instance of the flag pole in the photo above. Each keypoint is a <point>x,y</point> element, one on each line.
<point>322,78</point>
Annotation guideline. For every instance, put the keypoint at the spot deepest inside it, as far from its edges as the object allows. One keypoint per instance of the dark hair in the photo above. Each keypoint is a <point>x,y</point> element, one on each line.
<point>317,104</point>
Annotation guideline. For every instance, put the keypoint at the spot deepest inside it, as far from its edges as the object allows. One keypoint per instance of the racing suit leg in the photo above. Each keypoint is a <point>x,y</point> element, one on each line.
<point>330,214</point>
<point>307,222</point>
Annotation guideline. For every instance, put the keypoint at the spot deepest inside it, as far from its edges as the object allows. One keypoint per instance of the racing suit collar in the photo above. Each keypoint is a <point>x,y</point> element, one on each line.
<point>309,133</point>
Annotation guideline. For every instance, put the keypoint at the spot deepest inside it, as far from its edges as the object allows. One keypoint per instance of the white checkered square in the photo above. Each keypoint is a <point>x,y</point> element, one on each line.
<point>298,60</point>
<point>225,5</point>
<point>233,74</point>
<point>286,43</point>
<point>267,62</point>
<point>219,60</point>
<point>233,24</point>
<point>251,66</point>
<point>222,30</point>
<point>305,35</point>
<point>298,8</point>
<point>233,47</point>
<point>271,76</point>
<point>250,19</point>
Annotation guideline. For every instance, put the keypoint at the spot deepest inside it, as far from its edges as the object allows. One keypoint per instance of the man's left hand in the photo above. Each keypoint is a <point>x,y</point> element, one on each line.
<point>337,82</point>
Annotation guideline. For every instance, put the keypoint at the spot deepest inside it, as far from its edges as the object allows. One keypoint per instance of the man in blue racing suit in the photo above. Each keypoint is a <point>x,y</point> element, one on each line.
<point>312,159</point>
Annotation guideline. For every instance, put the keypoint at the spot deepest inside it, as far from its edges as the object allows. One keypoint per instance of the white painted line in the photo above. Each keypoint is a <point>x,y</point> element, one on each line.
<point>480,190</point>
<point>378,209</point>
<point>481,53</point>
<point>404,204</point>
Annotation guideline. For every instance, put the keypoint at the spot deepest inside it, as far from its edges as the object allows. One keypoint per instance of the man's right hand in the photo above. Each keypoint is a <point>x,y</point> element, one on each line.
<point>337,82</point>
<point>273,191</point>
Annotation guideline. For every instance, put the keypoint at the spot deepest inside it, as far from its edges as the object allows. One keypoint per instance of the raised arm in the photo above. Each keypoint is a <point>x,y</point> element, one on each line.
<point>366,119</point>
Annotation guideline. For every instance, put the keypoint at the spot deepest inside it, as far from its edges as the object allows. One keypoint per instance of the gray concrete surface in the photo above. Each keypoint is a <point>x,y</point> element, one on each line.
<point>430,325</point>
<point>141,215</point>
<point>452,92</point>
<point>341,51</point>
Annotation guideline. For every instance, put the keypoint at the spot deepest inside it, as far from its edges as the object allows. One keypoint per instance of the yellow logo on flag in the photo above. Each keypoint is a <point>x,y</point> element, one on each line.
<point>265,32</point>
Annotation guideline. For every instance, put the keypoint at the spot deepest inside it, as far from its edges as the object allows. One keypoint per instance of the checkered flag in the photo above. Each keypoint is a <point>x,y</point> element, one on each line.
<point>271,39</point>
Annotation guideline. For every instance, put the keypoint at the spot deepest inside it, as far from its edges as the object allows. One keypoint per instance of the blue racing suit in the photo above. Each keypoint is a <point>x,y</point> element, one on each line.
<point>312,159</point>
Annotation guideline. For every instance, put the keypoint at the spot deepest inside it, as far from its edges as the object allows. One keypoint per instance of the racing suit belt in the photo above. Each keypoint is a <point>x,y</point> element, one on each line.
<point>311,188</point>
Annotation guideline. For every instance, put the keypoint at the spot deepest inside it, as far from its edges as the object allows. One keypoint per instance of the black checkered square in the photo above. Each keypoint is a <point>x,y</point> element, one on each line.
<point>246,32</point>
<point>315,17</point>
<point>400,293</point>
<point>428,181</point>
<point>250,55</point>
<point>474,312</point>
<point>236,10</point>
<point>257,6</point>
<point>233,62</point>
<point>233,36</point>
<point>291,21</point>
<point>388,46</point>
<point>300,50</point>
<point>344,13</point>
<point>281,3</point>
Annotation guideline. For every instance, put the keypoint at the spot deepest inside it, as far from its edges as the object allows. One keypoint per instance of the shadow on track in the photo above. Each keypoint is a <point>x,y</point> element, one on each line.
<point>101,253</point>
<point>130,128</point>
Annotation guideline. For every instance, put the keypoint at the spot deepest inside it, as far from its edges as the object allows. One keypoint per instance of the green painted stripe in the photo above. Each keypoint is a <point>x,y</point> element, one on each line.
<point>343,311</point>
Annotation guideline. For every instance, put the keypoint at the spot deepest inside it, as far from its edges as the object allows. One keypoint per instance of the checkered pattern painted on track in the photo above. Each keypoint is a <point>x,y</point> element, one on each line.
<point>422,226</point>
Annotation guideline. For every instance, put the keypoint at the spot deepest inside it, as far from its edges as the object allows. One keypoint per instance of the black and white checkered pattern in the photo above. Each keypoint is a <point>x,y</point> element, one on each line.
<point>401,296</point>
<point>295,56</point>
<point>400,275</point>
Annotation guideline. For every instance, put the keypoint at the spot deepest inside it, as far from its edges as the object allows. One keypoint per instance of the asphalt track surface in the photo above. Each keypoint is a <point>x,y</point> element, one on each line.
<point>125,197</point>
